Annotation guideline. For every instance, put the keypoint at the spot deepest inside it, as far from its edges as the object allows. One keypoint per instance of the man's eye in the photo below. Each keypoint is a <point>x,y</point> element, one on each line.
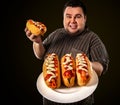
<point>78,16</point>
<point>68,16</point>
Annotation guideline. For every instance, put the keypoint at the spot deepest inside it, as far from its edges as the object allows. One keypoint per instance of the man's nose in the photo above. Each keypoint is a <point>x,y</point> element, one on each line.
<point>73,19</point>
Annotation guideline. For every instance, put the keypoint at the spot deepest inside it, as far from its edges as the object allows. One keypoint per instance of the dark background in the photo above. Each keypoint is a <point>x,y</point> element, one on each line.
<point>20,68</point>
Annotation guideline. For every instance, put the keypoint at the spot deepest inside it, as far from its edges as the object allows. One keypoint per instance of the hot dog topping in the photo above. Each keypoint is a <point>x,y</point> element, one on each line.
<point>51,66</point>
<point>82,64</point>
<point>68,62</point>
<point>68,66</point>
<point>38,24</point>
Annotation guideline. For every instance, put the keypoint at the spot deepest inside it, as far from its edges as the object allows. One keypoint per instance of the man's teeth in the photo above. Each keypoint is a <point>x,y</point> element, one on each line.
<point>73,26</point>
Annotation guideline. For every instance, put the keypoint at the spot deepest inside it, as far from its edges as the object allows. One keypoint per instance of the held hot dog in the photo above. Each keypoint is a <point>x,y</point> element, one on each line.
<point>36,28</point>
<point>51,71</point>
<point>68,70</point>
<point>83,69</point>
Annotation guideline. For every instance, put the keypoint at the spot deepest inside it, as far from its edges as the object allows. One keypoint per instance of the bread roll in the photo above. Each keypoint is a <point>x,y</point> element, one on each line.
<point>68,70</point>
<point>36,28</point>
<point>51,71</point>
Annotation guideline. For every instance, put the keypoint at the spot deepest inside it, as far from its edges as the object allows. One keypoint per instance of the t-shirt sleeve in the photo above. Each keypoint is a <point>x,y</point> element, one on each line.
<point>99,53</point>
<point>49,39</point>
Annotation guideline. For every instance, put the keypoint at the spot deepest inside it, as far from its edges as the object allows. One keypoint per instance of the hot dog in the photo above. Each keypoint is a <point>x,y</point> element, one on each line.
<point>68,70</point>
<point>36,28</point>
<point>83,69</point>
<point>51,71</point>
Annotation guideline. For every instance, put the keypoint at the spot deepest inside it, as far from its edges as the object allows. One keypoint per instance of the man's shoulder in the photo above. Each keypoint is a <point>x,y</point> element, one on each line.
<point>90,32</point>
<point>59,30</point>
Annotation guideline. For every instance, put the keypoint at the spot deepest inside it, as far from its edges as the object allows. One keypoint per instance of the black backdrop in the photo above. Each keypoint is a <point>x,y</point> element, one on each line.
<point>20,68</point>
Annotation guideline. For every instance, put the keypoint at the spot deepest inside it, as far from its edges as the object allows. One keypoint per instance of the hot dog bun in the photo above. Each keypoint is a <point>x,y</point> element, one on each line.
<point>68,70</point>
<point>36,28</point>
<point>51,71</point>
<point>83,69</point>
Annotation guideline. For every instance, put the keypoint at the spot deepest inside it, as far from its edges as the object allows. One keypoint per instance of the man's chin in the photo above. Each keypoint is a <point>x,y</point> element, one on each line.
<point>73,32</point>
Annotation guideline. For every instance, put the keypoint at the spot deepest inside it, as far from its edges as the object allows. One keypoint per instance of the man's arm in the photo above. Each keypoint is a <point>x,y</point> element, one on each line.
<point>97,67</point>
<point>38,49</point>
